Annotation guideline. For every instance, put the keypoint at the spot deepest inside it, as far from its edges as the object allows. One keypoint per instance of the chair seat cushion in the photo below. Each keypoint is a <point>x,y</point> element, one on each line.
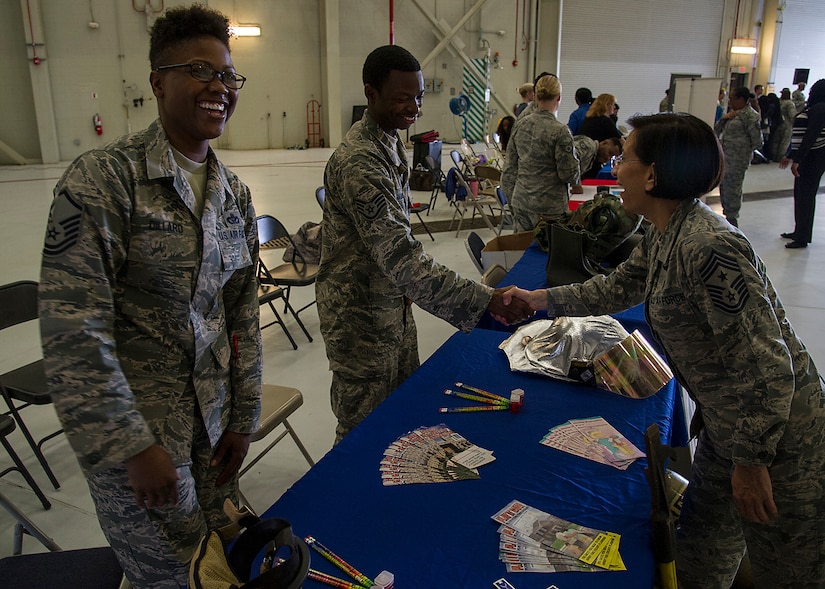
<point>28,384</point>
<point>89,568</point>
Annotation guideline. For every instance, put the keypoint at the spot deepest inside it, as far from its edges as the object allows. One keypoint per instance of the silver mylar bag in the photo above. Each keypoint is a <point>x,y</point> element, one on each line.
<point>557,347</point>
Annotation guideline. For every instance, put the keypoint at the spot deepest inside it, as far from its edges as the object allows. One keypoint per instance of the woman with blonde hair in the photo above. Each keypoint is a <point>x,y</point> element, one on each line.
<point>541,160</point>
<point>597,123</point>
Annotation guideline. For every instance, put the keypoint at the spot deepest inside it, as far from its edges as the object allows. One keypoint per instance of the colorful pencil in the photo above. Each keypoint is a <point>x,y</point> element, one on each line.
<point>473,409</point>
<point>339,562</point>
<point>488,394</point>
<point>332,581</point>
<point>477,398</point>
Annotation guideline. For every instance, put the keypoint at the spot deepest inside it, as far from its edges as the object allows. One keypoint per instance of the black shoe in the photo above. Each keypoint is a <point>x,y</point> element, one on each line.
<point>787,235</point>
<point>796,245</point>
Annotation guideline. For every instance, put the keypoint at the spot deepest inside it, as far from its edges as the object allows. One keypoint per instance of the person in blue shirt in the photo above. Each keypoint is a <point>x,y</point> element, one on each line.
<point>584,98</point>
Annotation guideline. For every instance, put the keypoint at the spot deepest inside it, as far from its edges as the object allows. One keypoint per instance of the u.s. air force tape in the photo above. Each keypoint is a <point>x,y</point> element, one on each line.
<point>63,230</point>
<point>725,283</point>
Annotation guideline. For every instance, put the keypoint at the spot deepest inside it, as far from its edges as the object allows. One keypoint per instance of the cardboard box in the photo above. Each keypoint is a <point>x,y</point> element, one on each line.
<point>505,250</point>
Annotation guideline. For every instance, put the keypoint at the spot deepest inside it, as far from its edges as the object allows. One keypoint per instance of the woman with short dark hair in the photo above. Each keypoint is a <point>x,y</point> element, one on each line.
<point>758,475</point>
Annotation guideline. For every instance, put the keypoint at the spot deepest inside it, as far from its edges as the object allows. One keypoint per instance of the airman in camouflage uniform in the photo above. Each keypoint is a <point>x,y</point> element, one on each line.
<point>739,133</point>
<point>371,266</point>
<point>149,321</point>
<point>594,154</point>
<point>758,476</point>
<point>541,163</point>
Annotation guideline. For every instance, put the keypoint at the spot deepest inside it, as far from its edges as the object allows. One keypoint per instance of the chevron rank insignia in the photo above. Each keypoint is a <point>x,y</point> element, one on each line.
<point>372,209</point>
<point>725,283</point>
<point>63,230</point>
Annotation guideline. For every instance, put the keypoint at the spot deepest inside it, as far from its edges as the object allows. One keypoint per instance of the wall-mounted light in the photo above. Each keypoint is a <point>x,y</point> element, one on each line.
<point>245,30</point>
<point>743,46</point>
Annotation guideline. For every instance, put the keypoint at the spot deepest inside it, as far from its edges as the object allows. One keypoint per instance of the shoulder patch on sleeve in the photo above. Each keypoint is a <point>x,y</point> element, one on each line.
<point>372,209</point>
<point>63,230</point>
<point>725,283</point>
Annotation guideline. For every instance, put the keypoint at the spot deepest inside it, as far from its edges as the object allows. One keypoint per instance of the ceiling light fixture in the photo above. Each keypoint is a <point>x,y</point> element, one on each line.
<point>743,46</point>
<point>245,30</point>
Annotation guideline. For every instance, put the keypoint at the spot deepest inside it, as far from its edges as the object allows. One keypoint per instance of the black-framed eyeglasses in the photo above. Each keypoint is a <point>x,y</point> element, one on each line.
<point>618,159</point>
<point>205,73</point>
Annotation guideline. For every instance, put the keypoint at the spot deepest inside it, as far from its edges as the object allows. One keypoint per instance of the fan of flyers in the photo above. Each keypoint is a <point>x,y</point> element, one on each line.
<point>432,455</point>
<point>594,439</point>
<point>531,540</point>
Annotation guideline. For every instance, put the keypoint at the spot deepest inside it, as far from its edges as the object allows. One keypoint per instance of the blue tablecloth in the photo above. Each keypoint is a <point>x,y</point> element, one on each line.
<point>441,535</point>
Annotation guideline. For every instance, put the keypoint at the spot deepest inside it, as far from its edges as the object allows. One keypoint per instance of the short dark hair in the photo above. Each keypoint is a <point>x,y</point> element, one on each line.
<point>687,156</point>
<point>817,93</point>
<point>184,23</point>
<point>380,62</point>
<point>584,96</point>
<point>741,92</point>
<point>616,143</point>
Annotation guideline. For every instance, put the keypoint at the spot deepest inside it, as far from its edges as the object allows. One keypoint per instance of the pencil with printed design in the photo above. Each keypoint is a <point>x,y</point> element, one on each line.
<point>477,398</point>
<point>331,581</point>
<point>474,409</point>
<point>487,394</point>
<point>339,562</point>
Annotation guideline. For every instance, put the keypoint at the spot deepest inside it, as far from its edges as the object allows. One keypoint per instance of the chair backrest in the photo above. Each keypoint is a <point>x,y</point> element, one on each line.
<point>493,275</point>
<point>486,172</point>
<point>321,195</point>
<point>474,245</point>
<point>502,198</point>
<point>271,229</point>
<point>456,157</point>
<point>18,301</point>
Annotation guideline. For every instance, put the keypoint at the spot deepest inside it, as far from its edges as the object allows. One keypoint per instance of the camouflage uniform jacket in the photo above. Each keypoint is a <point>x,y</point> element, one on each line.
<point>740,136</point>
<point>712,308</point>
<point>586,150</point>
<point>141,303</point>
<point>541,162</point>
<point>369,260</point>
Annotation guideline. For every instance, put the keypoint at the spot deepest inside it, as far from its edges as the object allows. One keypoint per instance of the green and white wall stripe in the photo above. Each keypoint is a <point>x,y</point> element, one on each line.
<point>474,85</point>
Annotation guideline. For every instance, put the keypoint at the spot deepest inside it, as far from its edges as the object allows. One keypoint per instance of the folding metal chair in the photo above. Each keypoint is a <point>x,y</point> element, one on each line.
<point>507,218</point>
<point>438,180</point>
<point>277,404</point>
<point>25,386</point>
<point>474,245</point>
<point>296,272</point>
<point>7,426</point>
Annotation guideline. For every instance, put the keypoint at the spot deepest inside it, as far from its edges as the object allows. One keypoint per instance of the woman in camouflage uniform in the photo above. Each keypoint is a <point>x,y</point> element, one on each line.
<point>758,476</point>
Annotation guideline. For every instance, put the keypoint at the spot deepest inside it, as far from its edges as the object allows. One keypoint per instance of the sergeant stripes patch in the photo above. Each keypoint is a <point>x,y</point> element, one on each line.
<point>725,283</point>
<point>63,230</point>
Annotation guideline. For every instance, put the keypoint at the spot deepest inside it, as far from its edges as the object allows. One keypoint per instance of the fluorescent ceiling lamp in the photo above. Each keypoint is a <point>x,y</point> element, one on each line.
<point>245,30</point>
<point>743,46</point>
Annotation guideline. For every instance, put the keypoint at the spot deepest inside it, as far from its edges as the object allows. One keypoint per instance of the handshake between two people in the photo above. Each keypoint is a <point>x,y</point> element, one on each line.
<point>511,305</point>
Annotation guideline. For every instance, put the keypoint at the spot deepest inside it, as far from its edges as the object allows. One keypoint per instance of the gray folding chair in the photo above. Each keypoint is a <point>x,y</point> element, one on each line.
<point>26,385</point>
<point>277,404</point>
